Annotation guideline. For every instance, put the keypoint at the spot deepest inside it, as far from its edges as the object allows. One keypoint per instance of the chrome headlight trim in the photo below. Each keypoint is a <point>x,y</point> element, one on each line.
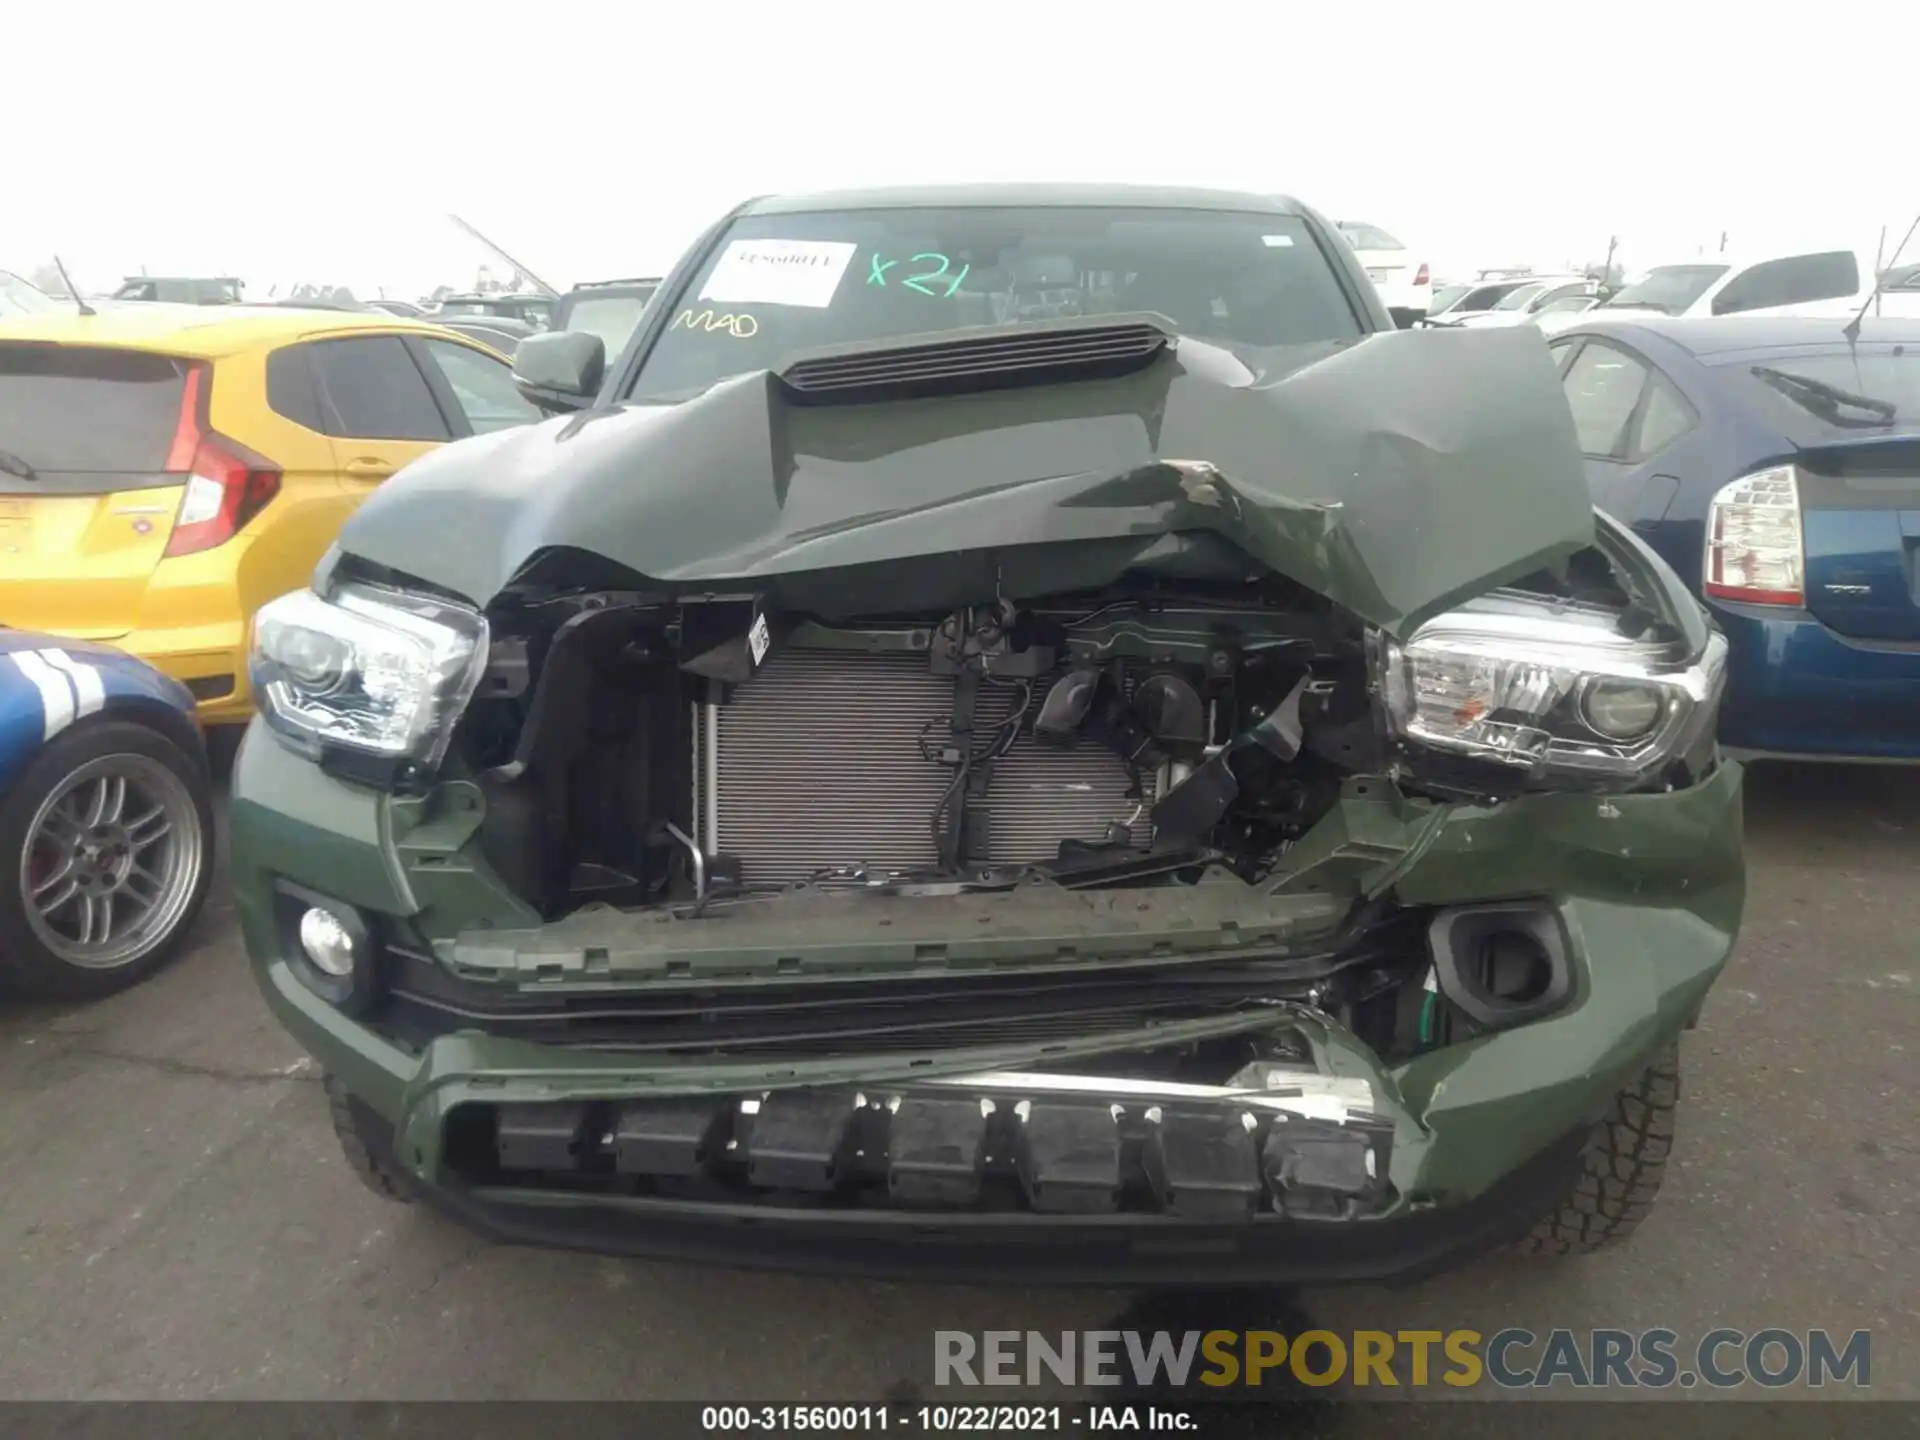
<point>367,669</point>
<point>1510,679</point>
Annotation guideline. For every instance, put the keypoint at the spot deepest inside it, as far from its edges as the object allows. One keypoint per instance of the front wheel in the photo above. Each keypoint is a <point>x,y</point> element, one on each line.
<point>1621,1167</point>
<point>106,838</point>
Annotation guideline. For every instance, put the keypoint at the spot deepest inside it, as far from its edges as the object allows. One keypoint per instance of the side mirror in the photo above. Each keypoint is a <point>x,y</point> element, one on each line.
<point>560,370</point>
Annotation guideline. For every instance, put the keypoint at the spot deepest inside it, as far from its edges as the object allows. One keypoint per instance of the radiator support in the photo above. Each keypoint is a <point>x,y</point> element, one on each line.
<point>818,765</point>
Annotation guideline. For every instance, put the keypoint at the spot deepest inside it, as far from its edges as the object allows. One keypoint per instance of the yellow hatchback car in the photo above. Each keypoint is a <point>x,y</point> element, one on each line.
<point>166,470</point>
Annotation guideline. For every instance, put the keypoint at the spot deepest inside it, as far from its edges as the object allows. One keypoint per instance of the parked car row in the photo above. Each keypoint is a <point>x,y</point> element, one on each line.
<point>610,309</point>
<point>1814,282</point>
<point>1108,735</point>
<point>1774,462</point>
<point>1806,282</point>
<point>1472,297</point>
<point>181,290</point>
<point>166,470</point>
<point>1525,302</point>
<point>535,312</point>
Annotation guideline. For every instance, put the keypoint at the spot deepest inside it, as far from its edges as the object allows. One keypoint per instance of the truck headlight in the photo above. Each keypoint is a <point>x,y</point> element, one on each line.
<point>1549,687</point>
<point>375,671</point>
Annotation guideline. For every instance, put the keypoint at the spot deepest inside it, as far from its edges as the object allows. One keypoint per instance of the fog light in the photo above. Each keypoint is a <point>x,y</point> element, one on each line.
<point>1621,709</point>
<point>326,942</point>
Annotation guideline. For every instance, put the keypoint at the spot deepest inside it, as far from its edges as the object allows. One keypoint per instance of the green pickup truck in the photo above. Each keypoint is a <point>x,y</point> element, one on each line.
<point>1012,733</point>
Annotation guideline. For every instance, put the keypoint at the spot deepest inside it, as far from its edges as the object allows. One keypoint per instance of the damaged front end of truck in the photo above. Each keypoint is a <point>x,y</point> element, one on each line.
<point>1075,810</point>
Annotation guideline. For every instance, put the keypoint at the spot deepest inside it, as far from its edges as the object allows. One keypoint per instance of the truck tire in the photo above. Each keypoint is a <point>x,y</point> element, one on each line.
<point>1621,1167</point>
<point>368,1148</point>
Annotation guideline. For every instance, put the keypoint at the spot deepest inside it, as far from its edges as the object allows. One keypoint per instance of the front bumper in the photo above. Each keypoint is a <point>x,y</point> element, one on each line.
<point>1471,1138</point>
<point>1796,689</point>
<point>1016,1248</point>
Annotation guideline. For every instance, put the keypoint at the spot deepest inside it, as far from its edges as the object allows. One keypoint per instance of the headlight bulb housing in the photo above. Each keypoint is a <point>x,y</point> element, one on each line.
<point>1555,691</point>
<point>367,672</point>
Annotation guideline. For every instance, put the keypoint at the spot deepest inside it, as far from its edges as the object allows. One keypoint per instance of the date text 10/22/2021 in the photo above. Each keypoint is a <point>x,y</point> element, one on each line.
<point>944,1419</point>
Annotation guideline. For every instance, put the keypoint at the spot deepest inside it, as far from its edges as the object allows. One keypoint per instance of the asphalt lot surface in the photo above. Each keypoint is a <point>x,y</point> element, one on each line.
<point>177,1221</point>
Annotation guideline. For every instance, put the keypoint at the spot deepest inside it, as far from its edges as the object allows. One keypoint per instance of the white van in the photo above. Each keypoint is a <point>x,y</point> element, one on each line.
<point>1808,282</point>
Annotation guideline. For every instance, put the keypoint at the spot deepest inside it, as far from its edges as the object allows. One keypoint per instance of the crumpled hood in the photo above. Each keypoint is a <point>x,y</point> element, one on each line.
<point>1395,475</point>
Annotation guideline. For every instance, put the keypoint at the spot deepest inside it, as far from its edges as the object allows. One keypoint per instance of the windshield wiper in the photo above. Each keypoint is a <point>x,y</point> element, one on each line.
<point>1617,304</point>
<point>14,465</point>
<point>1828,399</point>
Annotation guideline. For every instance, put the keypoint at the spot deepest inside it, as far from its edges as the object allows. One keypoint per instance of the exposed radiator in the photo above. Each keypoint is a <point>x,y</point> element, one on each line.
<point>816,764</point>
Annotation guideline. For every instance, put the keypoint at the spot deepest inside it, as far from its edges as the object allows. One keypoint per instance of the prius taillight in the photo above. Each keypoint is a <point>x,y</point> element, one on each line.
<point>1754,549</point>
<point>227,484</point>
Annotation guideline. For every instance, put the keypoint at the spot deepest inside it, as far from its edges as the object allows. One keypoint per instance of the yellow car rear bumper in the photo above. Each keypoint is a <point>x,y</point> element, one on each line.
<point>194,620</point>
<point>210,660</point>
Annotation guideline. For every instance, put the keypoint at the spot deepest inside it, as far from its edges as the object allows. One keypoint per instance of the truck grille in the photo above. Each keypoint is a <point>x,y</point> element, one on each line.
<point>816,764</point>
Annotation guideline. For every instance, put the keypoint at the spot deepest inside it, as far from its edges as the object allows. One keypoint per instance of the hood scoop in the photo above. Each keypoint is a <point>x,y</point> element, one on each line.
<point>984,359</point>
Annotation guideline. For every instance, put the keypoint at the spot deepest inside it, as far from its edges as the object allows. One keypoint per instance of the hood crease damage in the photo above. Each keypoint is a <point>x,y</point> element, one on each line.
<point>1395,476</point>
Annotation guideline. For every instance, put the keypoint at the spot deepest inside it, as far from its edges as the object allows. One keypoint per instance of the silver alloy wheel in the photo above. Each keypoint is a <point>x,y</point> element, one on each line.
<point>112,860</point>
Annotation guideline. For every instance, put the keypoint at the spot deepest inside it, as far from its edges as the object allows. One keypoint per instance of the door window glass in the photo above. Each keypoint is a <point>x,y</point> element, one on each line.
<point>371,390</point>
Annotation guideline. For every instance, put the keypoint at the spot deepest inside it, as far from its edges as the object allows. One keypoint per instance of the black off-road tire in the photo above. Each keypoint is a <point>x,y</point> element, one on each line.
<point>28,968</point>
<point>1621,1167</point>
<point>369,1150</point>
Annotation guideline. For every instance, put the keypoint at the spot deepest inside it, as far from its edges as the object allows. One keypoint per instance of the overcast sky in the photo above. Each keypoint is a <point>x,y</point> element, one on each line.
<point>296,140</point>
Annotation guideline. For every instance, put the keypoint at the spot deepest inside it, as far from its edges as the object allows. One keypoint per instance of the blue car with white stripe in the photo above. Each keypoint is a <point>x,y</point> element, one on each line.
<point>106,817</point>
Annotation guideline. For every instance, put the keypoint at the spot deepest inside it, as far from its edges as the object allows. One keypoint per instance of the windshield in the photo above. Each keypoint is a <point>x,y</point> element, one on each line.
<point>781,283</point>
<point>17,297</point>
<point>1566,304</point>
<point>1368,237</point>
<point>1444,297</point>
<point>1813,397</point>
<point>1517,298</point>
<point>1671,288</point>
<point>1481,297</point>
<point>613,318</point>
